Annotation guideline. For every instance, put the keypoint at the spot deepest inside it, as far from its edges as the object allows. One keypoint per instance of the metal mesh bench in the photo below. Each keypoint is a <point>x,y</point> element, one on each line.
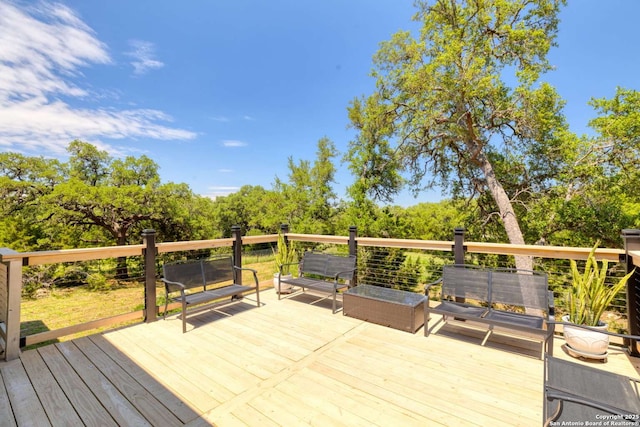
<point>194,283</point>
<point>321,272</point>
<point>497,298</point>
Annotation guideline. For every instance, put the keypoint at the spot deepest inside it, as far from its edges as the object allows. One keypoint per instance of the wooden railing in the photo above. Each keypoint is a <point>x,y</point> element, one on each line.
<point>11,264</point>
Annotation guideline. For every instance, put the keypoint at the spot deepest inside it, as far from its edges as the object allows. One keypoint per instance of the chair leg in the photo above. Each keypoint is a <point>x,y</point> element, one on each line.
<point>548,346</point>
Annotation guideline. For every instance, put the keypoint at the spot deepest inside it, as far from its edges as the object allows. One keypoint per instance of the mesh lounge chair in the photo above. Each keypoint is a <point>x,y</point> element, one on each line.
<point>575,392</point>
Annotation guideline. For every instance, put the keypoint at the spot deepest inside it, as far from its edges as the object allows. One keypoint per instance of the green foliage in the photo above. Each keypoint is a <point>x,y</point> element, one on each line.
<point>307,201</point>
<point>97,282</point>
<point>285,253</point>
<point>409,275</point>
<point>443,115</point>
<point>389,268</point>
<point>589,295</point>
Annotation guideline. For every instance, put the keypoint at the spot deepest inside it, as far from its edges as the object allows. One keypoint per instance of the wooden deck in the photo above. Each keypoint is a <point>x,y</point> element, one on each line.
<point>287,363</point>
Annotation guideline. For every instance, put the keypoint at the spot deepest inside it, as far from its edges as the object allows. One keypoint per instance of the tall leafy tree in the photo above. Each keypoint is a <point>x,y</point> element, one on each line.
<point>246,209</point>
<point>457,105</point>
<point>308,199</point>
<point>23,181</point>
<point>110,196</point>
<point>94,199</point>
<point>595,194</point>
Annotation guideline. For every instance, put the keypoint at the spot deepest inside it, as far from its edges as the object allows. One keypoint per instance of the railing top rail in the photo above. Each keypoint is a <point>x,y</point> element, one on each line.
<point>192,245</point>
<point>318,238</point>
<point>85,254</point>
<point>435,245</point>
<point>70,255</point>
<point>560,252</point>
<point>266,238</point>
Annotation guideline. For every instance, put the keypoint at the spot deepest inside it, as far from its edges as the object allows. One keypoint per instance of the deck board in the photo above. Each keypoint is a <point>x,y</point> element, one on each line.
<point>118,406</point>
<point>173,403</point>
<point>58,409</point>
<point>145,403</point>
<point>287,363</point>
<point>22,397</point>
<point>5,405</point>
<point>80,396</point>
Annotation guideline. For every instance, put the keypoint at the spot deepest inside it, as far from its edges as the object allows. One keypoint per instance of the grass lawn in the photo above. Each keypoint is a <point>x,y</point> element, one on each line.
<point>62,307</point>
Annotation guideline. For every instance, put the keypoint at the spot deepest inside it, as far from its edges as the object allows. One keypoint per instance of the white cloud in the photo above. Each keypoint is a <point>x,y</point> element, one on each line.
<point>143,54</point>
<point>219,191</point>
<point>233,143</point>
<point>225,170</point>
<point>43,49</point>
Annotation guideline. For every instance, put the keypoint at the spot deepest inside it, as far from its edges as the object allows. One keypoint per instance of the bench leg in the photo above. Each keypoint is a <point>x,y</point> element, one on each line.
<point>334,301</point>
<point>427,317</point>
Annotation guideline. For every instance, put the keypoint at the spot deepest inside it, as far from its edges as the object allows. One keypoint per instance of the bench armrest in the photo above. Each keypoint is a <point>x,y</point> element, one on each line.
<point>170,286</point>
<point>255,273</point>
<point>340,273</point>
<point>429,285</point>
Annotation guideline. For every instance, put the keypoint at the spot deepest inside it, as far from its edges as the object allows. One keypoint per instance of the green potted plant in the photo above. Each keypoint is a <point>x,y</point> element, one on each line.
<point>284,256</point>
<point>587,299</point>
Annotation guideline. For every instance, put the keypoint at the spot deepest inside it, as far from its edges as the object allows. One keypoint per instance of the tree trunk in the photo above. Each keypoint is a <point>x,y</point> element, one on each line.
<point>511,225</point>
<point>122,271</point>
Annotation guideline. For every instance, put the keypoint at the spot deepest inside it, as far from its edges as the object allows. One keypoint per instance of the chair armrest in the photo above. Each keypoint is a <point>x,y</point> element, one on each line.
<point>170,286</point>
<point>254,272</point>
<point>551,394</point>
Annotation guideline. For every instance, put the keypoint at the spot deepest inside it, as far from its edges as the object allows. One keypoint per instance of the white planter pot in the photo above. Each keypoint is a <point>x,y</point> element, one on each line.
<point>285,288</point>
<point>586,343</point>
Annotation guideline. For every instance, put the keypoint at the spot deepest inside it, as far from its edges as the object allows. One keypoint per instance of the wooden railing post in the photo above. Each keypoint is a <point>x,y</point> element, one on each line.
<point>353,250</point>
<point>631,239</point>
<point>237,249</point>
<point>150,308</point>
<point>458,245</point>
<point>11,295</point>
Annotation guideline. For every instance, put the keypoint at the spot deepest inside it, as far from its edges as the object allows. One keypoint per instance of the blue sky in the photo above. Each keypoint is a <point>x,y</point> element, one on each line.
<point>221,93</point>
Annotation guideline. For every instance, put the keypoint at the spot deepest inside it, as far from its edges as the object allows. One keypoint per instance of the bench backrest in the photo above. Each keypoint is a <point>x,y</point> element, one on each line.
<point>509,286</point>
<point>195,274</point>
<point>326,265</point>
<point>523,288</point>
<point>465,281</point>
